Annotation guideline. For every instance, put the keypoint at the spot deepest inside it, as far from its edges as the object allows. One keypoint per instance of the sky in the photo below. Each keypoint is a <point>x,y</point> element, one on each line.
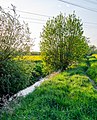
<point>39,11</point>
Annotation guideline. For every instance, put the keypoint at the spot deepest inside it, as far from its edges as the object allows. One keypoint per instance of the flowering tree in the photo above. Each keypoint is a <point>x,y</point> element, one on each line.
<point>14,36</point>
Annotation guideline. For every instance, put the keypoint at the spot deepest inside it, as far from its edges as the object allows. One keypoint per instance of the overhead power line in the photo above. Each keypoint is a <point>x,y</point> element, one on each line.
<point>44,20</point>
<point>32,19</point>
<point>26,12</point>
<point>78,5</point>
<point>90,23</point>
<point>33,13</point>
<point>91,1</point>
<point>85,23</point>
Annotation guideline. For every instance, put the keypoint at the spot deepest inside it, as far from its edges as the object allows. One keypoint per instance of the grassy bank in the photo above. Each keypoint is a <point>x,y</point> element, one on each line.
<point>18,74</point>
<point>67,96</point>
<point>92,70</point>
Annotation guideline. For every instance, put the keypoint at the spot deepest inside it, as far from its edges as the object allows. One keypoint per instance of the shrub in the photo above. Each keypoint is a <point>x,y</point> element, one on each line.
<point>14,77</point>
<point>37,72</point>
<point>92,71</point>
<point>78,68</point>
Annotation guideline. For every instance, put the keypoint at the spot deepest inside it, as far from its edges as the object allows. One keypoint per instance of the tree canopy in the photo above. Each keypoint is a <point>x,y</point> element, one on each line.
<point>63,42</point>
<point>14,36</point>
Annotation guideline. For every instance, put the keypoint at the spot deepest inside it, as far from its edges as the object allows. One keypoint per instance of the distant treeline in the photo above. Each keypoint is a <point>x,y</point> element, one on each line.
<point>35,53</point>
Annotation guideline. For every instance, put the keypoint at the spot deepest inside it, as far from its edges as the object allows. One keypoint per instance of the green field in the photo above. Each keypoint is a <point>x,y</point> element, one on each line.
<point>67,96</point>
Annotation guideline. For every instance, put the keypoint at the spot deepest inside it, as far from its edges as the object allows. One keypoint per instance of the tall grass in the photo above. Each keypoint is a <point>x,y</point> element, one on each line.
<point>92,70</point>
<point>67,96</point>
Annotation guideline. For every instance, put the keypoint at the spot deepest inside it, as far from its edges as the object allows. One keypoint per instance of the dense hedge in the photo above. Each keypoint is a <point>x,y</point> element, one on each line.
<point>92,71</point>
<point>16,75</point>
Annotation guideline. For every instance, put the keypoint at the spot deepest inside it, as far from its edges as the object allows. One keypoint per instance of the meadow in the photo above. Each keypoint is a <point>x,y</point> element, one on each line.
<point>67,96</point>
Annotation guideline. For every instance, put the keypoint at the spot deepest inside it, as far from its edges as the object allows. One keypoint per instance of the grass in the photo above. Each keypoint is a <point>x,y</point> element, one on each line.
<point>92,70</point>
<point>67,96</point>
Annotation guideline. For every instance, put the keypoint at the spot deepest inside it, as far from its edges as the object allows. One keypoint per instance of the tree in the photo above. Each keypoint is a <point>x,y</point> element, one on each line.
<point>62,41</point>
<point>14,36</point>
<point>14,39</point>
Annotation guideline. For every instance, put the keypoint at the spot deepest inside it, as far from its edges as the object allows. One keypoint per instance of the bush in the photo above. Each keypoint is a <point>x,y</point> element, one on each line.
<point>78,68</point>
<point>14,77</point>
<point>17,75</point>
<point>92,71</point>
<point>37,72</point>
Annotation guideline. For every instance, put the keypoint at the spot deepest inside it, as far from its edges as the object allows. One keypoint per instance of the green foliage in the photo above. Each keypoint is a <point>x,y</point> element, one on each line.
<point>92,70</point>
<point>15,75</point>
<point>37,72</point>
<point>14,39</point>
<point>14,36</point>
<point>63,97</point>
<point>79,68</point>
<point>63,42</point>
